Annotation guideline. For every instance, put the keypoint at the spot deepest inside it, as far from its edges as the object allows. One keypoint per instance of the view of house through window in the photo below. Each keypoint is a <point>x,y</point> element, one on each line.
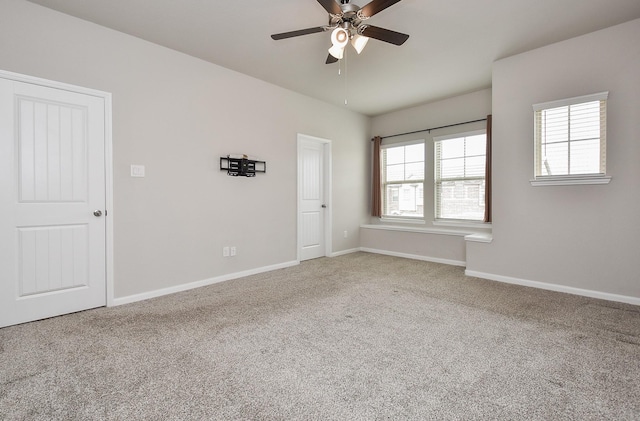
<point>403,180</point>
<point>460,176</point>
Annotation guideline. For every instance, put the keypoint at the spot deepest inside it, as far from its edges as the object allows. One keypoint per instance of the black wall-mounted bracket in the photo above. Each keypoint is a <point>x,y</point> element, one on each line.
<point>243,167</point>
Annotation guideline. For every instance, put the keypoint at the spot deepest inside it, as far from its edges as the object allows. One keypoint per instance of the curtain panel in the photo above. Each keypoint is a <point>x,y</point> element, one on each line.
<point>487,175</point>
<point>376,193</point>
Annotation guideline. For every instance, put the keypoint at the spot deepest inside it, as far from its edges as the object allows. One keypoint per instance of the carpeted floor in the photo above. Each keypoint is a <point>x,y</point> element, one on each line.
<point>357,337</point>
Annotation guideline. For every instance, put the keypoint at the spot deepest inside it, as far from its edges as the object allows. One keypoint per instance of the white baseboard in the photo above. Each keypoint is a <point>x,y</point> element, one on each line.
<point>555,287</point>
<point>343,252</point>
<point>197,284</point>
<point>415,257</point>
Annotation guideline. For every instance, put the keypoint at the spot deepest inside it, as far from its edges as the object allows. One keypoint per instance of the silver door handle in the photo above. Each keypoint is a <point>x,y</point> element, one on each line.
<point>97,212</point>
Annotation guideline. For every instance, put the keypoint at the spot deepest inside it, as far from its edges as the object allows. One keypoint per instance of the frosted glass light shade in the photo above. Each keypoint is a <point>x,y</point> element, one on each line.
<point>339,37</point>
<point>358,42</point>
<point>337,51</point>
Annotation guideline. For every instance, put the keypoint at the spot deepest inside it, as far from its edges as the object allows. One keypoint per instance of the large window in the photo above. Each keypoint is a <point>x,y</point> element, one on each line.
<point>403,180</point>
<point>460,176</point>
<point>570,137</point>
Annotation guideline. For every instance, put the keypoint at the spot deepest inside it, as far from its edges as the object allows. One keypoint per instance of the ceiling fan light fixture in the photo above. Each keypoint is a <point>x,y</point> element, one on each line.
<point>339,37</point>
<point>359,42</point>
<point>347,23</point>
<point>337,51</point>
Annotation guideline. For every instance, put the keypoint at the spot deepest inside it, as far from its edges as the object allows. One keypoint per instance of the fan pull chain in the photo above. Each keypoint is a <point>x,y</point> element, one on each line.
<point>346,74</point>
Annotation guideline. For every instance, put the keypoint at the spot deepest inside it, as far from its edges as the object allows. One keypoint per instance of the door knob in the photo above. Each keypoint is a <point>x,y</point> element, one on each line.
<point>97,212</point>
<point>324,206</point>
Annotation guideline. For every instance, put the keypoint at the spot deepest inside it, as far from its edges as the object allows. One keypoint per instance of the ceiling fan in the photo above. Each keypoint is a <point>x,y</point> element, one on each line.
<point>347,22</point>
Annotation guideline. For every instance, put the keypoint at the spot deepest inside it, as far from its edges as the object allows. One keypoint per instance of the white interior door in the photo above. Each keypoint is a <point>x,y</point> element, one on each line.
<point>312,197</point>
<point>52,202</point>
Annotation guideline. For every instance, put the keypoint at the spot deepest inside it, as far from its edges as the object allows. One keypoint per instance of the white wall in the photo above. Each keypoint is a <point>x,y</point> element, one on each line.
<point>439,247</point>
<point>177,115</point>
<point>581,237</point>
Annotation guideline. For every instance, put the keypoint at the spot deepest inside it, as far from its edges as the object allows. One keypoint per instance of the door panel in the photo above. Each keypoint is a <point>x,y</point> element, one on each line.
<point>52,247</point>
<point>52,151</point>
<point>52,259</point>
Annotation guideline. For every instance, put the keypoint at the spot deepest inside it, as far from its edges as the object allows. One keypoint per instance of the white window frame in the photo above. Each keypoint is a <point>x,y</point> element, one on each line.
<point>570,179</point>
<point>383,183</point>
<point>449,221</point>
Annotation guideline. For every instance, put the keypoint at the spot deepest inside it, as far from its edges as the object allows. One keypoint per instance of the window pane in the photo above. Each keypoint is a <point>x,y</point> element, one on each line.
<point>452,148</point>
<point>452,168</point>
<point>461,199</point>
<point>414,153</point>
<point>475,166</point>
<point>394,155</point>
<point>414,171</point>
<point>395,172</point>
<point>585,121</point>
<point>555,159</point>
<point>585,157</point>
<point>404,199</point>
<point>476,145</point>
<point>392,200</point>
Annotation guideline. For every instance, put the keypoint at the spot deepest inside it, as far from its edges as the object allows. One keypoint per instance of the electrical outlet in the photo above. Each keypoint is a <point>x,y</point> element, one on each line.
<point>233,250</point>
<point>346,234</point>
<point>225,251</point>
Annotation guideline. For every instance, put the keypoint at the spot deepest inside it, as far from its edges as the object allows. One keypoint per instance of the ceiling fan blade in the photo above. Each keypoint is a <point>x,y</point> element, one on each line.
<point>330,59</point>
<point>298,33</point>
<point>376,6</point>
<point>331,6</point>
<point>386,35</point>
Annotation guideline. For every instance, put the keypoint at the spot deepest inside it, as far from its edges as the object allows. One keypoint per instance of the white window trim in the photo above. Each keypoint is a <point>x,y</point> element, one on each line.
<point>458,135</point>
<point>462,223</point>
<point>405,143</point>
<point>570,180</point>
<point>600,96</point>
<point>418,220</point>
<point>404,219</point>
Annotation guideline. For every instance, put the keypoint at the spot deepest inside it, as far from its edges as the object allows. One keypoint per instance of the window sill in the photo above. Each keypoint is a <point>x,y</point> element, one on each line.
<point>479,238</point>
<point>462,224</point>
<point>419,230</point>
<point>570,180</point>
<point>400,220</point>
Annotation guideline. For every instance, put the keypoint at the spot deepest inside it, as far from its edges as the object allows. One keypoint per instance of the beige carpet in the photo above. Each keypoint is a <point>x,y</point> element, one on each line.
<point>357,337</point>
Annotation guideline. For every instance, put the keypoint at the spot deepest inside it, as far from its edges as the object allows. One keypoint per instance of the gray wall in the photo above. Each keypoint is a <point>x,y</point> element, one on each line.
<point>177,115</point>
<point>583,237</point>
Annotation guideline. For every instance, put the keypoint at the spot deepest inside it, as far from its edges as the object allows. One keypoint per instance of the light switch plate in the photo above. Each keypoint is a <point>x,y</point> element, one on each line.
<point>137,170</point>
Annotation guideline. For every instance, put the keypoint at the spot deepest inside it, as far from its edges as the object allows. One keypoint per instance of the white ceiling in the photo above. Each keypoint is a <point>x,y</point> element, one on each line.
<point>451,47</point>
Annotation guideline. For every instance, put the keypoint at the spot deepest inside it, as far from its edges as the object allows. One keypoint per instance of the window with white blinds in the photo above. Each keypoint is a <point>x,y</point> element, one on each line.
<point>460,176</point>
<point>403,180</point>
<point>570,137</point>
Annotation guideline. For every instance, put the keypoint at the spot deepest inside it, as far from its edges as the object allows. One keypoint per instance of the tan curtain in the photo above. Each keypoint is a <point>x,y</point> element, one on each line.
<point>487,175</point>
<point>376,199</point>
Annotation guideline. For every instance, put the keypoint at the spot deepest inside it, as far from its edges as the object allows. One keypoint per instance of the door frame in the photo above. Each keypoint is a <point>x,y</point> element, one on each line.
<point>326,180</point>
<point>108,161</point>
